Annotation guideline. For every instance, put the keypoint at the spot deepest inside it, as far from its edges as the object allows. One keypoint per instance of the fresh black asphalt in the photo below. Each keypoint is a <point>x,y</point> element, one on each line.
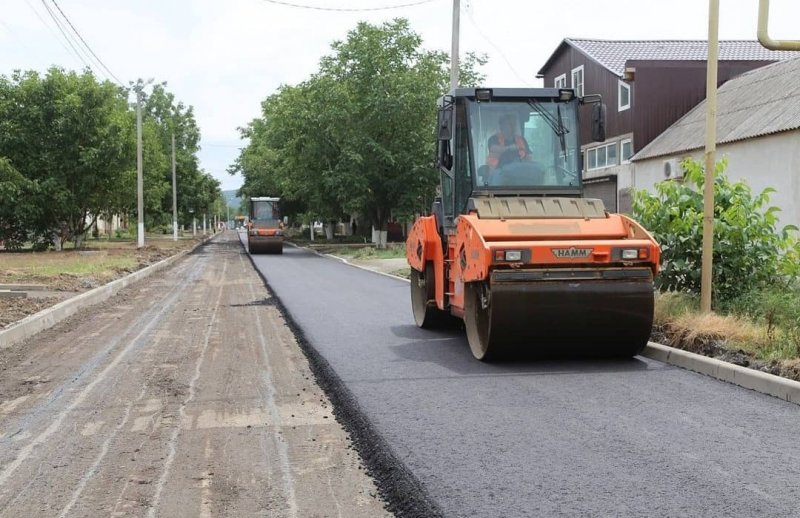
<point>531,438</point>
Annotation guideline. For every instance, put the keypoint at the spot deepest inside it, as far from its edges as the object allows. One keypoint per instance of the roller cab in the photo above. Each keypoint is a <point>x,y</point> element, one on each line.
<point>512,247</point>
<point>265,231</point>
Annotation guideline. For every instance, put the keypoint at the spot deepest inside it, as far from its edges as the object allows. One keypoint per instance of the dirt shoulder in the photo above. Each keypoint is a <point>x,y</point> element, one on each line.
<point>55,276</point>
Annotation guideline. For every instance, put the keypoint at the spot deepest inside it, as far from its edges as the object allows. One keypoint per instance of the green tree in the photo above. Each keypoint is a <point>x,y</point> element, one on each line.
<point>17,206</point>
<point>357,136</point>
<point>749,250</point>
<point>67,135</point>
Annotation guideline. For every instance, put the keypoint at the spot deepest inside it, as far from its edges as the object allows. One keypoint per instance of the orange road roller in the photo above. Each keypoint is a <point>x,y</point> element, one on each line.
<point>265,232</point>
<point>513,248</point>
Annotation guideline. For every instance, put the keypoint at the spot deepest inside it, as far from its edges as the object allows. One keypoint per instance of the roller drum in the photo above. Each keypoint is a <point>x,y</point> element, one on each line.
<point>588,314</point>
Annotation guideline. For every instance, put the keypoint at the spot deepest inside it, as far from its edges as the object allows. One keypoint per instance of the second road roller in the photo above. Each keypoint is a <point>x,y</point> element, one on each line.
<point>513,247</point>
<point>265,231</point>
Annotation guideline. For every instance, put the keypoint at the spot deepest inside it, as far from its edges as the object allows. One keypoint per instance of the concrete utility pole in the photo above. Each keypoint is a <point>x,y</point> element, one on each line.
<point>454,48</point>
<point>710,156</point>
<point>174,195</point>
<point>139,174</point>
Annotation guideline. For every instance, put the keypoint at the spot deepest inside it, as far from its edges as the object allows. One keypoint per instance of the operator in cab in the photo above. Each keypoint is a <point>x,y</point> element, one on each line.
<point>507,144</point>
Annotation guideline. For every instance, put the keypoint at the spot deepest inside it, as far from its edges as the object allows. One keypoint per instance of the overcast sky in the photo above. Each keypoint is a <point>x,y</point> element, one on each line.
<point>225,56</point>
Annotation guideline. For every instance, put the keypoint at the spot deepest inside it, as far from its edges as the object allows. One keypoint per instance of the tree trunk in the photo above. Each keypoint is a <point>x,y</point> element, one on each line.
<point>329,229</point>
<point>379,228</point>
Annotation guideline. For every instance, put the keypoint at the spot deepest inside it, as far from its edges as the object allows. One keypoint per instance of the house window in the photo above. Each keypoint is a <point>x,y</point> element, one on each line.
<point>577,80</point>
<point>602,156</point>
<point>624,97</point>
<point>561,81</point>
<point>627,150</point>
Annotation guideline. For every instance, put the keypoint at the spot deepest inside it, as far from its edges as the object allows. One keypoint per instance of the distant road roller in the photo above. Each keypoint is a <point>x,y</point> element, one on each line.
<point>265,232</point>
<point>513,248</point>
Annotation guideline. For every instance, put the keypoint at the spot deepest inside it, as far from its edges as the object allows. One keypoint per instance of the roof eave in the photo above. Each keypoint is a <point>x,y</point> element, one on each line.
<point>540,73</point>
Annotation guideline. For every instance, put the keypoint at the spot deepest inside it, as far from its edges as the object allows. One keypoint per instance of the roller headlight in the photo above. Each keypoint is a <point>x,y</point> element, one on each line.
<point>508,255</point>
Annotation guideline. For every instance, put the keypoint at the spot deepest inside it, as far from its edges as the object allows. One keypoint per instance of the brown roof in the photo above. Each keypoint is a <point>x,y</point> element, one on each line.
<point>760,102</point>
<point>613,54</point>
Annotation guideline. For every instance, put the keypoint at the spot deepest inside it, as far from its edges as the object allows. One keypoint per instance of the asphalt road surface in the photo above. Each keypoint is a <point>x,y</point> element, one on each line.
<point>185,395</point>
<point>526,438</point>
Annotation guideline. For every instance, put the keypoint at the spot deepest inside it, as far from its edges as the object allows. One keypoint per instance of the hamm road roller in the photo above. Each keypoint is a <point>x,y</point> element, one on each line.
<point>265,232</point>
<point>513,248</point>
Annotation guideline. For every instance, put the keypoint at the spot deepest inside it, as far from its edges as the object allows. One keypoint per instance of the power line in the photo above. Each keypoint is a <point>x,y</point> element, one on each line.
<point>475,24</point>
<point>86,44</point>
<point>63,33</point>
<point>347,9</point>
<point>50,29</point>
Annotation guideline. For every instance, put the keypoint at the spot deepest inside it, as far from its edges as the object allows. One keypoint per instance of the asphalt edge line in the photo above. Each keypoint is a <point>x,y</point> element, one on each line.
<point>48,317</point>
<point>765,383</point>
<point>402,492</point>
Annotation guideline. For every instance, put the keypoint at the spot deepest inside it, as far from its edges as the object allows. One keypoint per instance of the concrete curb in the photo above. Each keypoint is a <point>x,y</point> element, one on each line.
<point>365,268</point>
<point>49,317</point>
<point>786,389</point>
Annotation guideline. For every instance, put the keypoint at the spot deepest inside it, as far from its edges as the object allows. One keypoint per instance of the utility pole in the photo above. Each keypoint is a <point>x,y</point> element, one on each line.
<point>174,195</point>
<point>454,48</point>
<point>139,174</point>
<point>710,156</point>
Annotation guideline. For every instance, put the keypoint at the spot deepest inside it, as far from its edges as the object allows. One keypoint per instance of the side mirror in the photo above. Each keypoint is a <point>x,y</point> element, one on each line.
<point>599,122</point>
<point>445,122</point>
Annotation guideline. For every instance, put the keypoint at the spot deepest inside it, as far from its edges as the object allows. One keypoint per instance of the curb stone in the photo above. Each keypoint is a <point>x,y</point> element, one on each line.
<point>49,317</point>
<point>783,388</point>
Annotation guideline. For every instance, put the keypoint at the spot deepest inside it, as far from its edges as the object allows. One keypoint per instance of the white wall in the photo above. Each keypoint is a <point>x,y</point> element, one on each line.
<point>768,161</point>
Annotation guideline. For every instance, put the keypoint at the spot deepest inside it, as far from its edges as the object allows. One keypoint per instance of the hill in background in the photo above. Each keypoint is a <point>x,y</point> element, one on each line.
<point>232,200</point>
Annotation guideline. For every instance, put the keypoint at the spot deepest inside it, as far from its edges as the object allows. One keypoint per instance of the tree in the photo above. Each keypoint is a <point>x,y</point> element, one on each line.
<point>17,206</point>
<point>358,136</point>
<point>749,250</point>
<point>66,134</point>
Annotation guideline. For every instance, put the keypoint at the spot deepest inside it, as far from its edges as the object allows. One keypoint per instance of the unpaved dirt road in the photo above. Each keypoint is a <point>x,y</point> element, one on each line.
<point>186,395</point>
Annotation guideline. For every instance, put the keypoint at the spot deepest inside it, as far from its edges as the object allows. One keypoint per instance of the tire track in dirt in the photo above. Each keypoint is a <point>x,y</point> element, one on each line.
<point>182,409</point>
<point>136,342</point>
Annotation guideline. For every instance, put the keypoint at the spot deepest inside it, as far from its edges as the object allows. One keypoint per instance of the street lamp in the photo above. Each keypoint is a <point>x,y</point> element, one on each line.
<point>138,89</point>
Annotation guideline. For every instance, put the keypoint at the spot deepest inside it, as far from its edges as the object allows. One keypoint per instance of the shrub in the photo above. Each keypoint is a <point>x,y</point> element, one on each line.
<point>778,309</point>
<point>749,251</point>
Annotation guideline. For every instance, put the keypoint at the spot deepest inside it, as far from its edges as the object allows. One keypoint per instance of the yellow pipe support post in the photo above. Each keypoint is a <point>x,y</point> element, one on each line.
<point>763,33</point>
<point>710,155</point>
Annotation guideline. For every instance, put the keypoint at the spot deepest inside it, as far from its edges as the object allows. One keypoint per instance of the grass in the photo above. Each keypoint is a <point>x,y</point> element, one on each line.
<point>50,264</point>
<point>392,251</point>
<point>403,272</point>
<point>102,260</point>
<point>678,317</point>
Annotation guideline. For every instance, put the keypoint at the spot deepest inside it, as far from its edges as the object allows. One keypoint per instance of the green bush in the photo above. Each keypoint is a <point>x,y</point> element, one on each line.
<point>749,251</point>
<point>778,309</point>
